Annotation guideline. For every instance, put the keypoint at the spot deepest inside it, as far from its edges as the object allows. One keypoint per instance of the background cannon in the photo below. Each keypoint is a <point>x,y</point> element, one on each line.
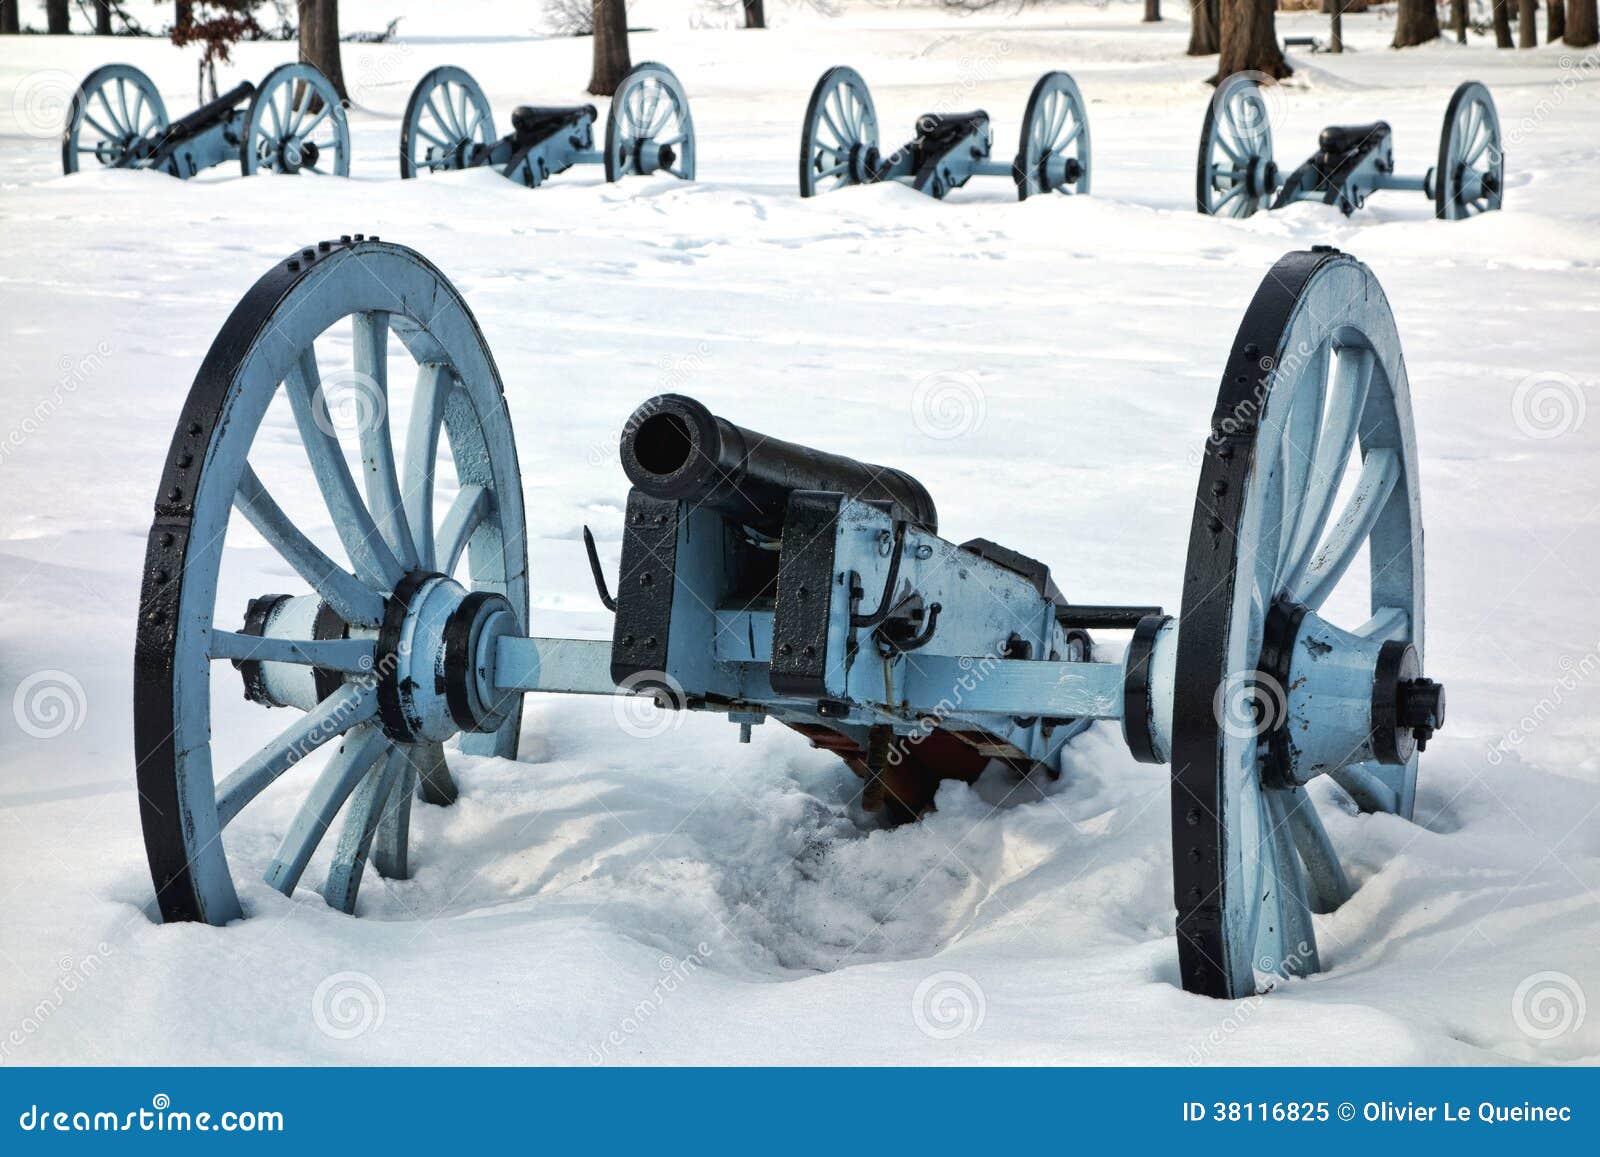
<point>293,122</point>
<point>1236,174</point>
<point>449,125</point>
<point>765,580</point>
<point>839,143</point>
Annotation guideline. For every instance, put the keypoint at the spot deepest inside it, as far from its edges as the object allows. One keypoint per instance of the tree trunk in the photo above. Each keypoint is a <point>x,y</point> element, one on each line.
<point>611,60</point>
<point>1249,40</point>
<point>102,17</point>
<point>1527,25</point>
<point>1555,19</point>
<point>1502,24</point>
<point>755,13</point>
<point>1581,24</point>
<point>58,16</point>
<point>1152,11</point>
<point>1336,26</point>
<point>8,16</point>
<point>1458,19</point>
<point>319,41</point>
<point>1416,22</point>
<point>1202,27</point>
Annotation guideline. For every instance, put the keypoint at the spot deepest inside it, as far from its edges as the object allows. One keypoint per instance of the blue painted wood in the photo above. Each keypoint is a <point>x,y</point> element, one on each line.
<point>1236,172</point>
<point>447,125</point>
<point>351,656</point>
<point>372,798</point>
<point>422,452</point>
<point>1054,154</point>
<point>355,602</point>
<point>349,707</point>
<point>370,347</point>
<point>115,117</point>
<point>360,751</point>
<point>649,127</point>
<point>296,124</point>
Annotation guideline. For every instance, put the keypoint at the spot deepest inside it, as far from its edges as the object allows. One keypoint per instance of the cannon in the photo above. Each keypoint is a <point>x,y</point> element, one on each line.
<point>449,125</point>
<point>292,123</point>
<point>839,143</point>
<point>1236,175</point>
<point>765,581</point>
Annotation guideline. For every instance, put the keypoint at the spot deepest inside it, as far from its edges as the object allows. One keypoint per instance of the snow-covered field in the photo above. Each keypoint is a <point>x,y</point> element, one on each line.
<point>682,898</point>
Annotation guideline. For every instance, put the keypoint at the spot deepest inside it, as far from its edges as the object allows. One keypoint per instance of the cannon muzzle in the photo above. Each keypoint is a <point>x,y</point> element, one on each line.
<point>675,448</point>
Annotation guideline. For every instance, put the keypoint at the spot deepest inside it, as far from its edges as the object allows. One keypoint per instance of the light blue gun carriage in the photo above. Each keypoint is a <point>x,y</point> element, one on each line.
<point>1236,175</point>
<point>839,143</point>
<point>449,125</point>
<point>765,581</point>
<point>293,123</point>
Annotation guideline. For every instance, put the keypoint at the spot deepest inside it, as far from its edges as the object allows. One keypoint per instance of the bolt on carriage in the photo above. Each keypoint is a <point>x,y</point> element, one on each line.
<point>449,125</point>
<point>1236,174</point>
<point>293,122</point>
<point>839,142</point>
<point>764,580</point>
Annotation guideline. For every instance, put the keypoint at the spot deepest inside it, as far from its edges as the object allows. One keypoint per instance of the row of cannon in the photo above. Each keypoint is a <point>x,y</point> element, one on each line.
<point>294,122</point>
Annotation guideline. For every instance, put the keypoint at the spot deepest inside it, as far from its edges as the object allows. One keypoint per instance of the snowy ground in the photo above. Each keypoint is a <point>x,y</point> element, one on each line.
<point>686,899</point>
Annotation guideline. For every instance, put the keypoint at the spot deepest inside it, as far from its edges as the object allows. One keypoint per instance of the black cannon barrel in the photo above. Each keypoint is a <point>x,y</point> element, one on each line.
<point>673,447</point>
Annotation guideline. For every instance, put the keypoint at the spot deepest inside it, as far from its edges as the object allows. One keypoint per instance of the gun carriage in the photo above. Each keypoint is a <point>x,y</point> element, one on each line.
<point>839,143</point>
<point>449,125</point>
<point>292,123</point>
<point>763,580</point>
<point>1236,175</point>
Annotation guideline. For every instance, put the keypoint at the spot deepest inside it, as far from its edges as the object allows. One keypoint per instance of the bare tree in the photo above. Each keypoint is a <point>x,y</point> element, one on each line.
<point>1202,27</point>
<point>611,60</point>
<point>8,16</point>
<point>1556,21</point>
<point>1459,19</point>
<point>319,41</point>
<point>1336,25</point>
<point>58,16</point>
<point>755,13</point>
<point>1527,25</point>
<point>1249,40</point>
<point>1416,22</point>
<point>1152,11</point>
<point>1581,30</point>
<point>1502,24</point>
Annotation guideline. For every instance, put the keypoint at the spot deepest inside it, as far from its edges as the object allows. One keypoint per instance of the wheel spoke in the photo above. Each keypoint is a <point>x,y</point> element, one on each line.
<point>435,784</point>
<point>1386,623</point>
<point>1330,887</point>
<point>1288,892</point>
<point>356,604</point>
<point>371,334</point>
<point>351,705</point>
<point>1302,429</point>
<point>434,383</point>
<point>375,564</point>
<point>1371,794</point>
<point>371,800</point>
<point>391,852</point>
<point>1379,473</point>
<point>1352,378</point>
<point>349,656</point>
<point>468,510</point>
<point>360,750</point>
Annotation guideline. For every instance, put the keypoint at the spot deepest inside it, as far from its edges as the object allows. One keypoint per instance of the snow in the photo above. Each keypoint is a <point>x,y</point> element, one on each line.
<point>682,898</point>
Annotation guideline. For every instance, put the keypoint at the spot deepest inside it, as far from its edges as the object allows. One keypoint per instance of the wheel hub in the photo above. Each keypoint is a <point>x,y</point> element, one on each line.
<point>1324,698</point>
<point>433,658</point>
